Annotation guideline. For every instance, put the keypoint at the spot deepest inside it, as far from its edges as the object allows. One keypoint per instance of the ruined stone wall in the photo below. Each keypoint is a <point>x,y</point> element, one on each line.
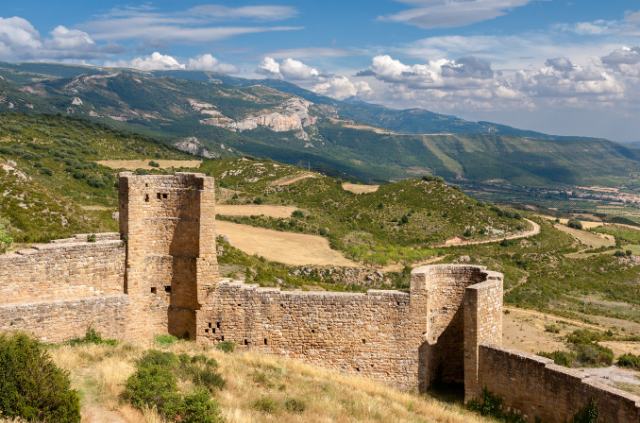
<point>535,387</point>
<point>67,269</point>
<point>59,320</point>
<point>371,334</point>
<point>403,338</point>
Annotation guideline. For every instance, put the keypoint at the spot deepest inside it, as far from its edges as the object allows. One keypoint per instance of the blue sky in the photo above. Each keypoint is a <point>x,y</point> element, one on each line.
<point>563,67</point>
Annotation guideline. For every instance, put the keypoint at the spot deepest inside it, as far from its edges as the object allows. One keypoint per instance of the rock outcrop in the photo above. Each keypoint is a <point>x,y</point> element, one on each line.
<point>193,146</point>
<point>294,115</point>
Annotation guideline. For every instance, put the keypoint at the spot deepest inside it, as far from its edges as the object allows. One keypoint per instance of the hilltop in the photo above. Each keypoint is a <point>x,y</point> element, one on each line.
<point>217,116</point>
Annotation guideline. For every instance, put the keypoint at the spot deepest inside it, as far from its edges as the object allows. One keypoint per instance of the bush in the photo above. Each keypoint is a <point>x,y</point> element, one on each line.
<point>78,174</point>
<point>91,238</point>
<point>265,405</point>
<point>257,200</point>
<point>457,187</point>
<point>96,181</point>
<point>428,177</point>
<point>467,233</point>
<point>92,336</point>
<point>32,387</point>
<point>561,358</point>
<point>153,164</point>
<point>5,239</point>
<point>574,223</point>
<point>297,213</point>
<point>491,406</point>
<point>227,347</point>
<point>629,252</point>
<point>142,172</point>
<point>295,406</point>
<point>481,204</point>
<point>552,329</point>
<point>154,385</point>
<point>165,339</point>
<point>46,171</point>
<point>629,360</point>
<point>588,414</point>
<point>439,179</point>
<point>594,355</point>
<point>619,253</point>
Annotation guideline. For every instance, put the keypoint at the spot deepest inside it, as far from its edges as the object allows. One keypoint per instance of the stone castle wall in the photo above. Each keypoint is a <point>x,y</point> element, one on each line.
<point>159,275</point>
<point>62,270</point>
<point>535,387</point>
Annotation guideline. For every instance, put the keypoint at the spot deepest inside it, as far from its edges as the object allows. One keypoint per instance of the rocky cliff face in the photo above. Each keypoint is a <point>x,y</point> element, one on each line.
<point>193,146</point>
<point>293,115</point>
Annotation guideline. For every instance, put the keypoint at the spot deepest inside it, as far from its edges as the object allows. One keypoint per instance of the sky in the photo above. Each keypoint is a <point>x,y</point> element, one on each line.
<point>559,67</point>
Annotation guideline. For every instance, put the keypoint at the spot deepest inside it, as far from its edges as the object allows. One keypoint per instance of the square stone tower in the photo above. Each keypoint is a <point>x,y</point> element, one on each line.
<point>168,223</point>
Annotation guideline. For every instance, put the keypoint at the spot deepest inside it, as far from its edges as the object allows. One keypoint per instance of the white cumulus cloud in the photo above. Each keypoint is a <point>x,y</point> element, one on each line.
<point>209,63</point>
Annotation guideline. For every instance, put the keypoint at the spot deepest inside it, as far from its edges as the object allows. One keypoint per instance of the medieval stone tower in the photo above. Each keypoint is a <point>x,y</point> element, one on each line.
<point>168,223</point>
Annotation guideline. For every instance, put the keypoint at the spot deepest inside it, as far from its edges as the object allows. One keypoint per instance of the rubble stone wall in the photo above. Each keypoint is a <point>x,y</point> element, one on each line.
<point>67,269</point>
<point>536,387</point>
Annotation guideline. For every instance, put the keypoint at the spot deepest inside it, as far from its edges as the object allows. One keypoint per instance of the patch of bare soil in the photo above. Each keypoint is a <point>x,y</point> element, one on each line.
<point>279,212</point>
<point>283,247</point>
<point>144,164</point>
<point>535,230</point>
<point>291,179</point>
<point>360,189</point>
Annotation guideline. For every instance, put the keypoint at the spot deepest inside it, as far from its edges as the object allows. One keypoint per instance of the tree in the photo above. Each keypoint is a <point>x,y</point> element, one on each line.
<point>5,239</point>
<point>574,223</point>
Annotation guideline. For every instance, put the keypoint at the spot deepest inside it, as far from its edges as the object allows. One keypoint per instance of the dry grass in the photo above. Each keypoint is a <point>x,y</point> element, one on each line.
<point>100,371</point>
<point>283,247</point>
<point>290,179</point>
<point>590,239</point>
<point>360,189</point>
<point>144,164</point>
<point>280,212</point>
<point>585,223</point>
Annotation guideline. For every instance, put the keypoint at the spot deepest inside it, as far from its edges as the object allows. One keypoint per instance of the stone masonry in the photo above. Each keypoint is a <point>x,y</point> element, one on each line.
<point>159,275</point>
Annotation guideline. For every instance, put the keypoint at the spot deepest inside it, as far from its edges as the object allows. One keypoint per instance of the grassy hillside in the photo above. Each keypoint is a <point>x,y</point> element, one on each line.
<point>50,182</point>
<point>257,388</point>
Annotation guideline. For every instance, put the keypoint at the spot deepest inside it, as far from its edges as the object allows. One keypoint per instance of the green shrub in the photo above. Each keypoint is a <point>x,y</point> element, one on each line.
<point>31,386</point>
<point>629,360</point>
<point>78,174</point>
<point>153,386</point>
<point>457,187</point>
<point>96,181</point>
<point>199,408</point>
<point>481,204</point>
<point>439,179</point>
<point>165,339</point>
<point>212,362</point>
<point>428,177</point>
<point>561,358</point>
<point>295,406</point>
<point>491,406</point>
<point>46,171</point>
<point>257,200</point>
<point>619,253</point>
<point>552,329</point>
<point>629,252</point>
<point>92,336</point>
<point>467,233</point>
<point>574,223</point>
<point>594,355</point>
<point>297,213</point>
<point>142,172</point>
<point>153,164</point>
<point>265,405</point>
<point>228,346</point>
<point>206,378</point>
<point>5,239</point>
<point>91,238</point>
<point>198,359</point>
<point>588,414</point>
<point>584,336</point>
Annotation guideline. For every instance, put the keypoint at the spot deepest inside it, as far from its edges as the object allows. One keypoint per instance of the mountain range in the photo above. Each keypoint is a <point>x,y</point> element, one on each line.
<point>215,116</point>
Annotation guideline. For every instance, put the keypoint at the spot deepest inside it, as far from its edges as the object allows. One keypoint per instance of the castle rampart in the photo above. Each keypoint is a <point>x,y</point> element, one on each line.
<point>159,275</point>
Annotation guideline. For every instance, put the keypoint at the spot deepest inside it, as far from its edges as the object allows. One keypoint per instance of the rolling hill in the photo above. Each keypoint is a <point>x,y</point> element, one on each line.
<point>218,116</point>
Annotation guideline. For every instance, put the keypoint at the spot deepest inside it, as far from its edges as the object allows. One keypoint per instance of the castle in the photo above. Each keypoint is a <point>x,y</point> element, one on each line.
<point>159,275</point>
